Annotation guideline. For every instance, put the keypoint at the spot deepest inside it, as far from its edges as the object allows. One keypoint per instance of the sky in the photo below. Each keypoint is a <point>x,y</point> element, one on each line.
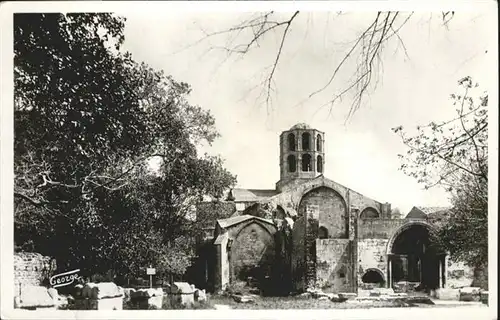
<point>361,153</point>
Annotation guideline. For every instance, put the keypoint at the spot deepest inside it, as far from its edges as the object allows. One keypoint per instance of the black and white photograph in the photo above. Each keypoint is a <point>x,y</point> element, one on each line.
<point>239,159</point>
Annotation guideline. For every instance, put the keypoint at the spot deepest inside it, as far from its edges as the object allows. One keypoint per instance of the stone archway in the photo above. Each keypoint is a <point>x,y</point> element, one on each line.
<point>252,255</point>
<point>373,276</point>
<point>328,208</point>
<point>369,213</point>
<point>413,260</point>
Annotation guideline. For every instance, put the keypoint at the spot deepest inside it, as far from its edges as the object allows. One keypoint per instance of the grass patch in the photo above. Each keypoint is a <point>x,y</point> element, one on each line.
<point>198,305</point>
<point>167,305</point>
<point>301,303</point>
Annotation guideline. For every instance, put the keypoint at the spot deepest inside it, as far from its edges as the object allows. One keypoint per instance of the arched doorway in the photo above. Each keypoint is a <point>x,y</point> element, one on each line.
<point>414,260</point>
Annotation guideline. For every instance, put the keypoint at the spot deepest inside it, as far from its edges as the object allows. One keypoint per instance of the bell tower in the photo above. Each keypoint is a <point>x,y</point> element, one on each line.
<point>302,154</point>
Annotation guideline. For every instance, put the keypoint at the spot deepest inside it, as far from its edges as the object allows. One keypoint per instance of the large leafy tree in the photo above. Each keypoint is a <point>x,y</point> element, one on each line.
<point>87,120</point>
<point>454,154</point>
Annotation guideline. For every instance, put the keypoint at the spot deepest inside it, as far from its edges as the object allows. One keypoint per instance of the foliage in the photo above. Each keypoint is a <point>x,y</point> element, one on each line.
<point>454,154</point>
<point>441,153</point>
<point>88,118</point>
<point>298,302</point>
<point>465,233</point>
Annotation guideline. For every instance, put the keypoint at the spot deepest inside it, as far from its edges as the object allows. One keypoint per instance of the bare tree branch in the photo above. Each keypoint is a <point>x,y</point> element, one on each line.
<point>450,150</point>
<point>366,49</point>
<point>278,55</point>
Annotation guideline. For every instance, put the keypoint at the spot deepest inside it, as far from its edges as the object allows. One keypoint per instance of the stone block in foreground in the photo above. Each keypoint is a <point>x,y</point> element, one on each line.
<point>484,296</point>
<point>34,298</point>
<point>99,296</point>
<point>470,294</point>
<point>447,294</point>
<point>147,298</point>
<point>181,294</point>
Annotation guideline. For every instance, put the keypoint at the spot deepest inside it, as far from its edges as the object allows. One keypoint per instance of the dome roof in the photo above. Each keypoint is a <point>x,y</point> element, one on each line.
<point>300,126</point>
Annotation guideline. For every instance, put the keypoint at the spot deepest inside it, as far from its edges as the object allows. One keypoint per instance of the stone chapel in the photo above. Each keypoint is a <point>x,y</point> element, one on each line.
<point>312,232</point>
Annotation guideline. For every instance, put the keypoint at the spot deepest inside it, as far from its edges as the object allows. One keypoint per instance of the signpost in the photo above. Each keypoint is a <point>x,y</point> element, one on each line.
<point>150,271</point>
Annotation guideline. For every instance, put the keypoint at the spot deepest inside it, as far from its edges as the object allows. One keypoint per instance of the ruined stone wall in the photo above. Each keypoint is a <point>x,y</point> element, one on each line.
<point>233,231</point>
<point>373,238</point>
<point>378,228</point>
<point>361,202</point>
<point>298,254</point>
<point>333,203</point>
<point>31,269</point>
<point>331,211</point>
<point>293,192</point>
<point>312,226</point>
<point>252,253</point>
<point>334,265</point>
<point>372,254</point>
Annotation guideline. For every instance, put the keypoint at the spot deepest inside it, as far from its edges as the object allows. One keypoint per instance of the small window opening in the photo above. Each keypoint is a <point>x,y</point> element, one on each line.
<point>292,165</point>
<point>291,142</point>
<point>323,233</point>
<point>306,162</point>
<point>306,141</point>
<point>319,164</point>
<point>319,143</point>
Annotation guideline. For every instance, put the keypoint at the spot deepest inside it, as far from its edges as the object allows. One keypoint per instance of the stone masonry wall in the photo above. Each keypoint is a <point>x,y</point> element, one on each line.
<point>312,227</point>
<point>293,192</point>
<point>252,253</point>
<point>372,254</point>
<point>378,228</point>
<point>332,212</point>
<point>31,269</point>
<point>361,202</point>
<point>334,265</point>
<point>299,254</point>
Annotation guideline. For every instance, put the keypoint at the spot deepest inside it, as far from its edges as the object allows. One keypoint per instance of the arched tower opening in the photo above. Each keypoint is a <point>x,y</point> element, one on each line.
<point>292,164</point>
<point>291,142</point>
<point>319,164</point>
<point>306,163</point>
<point>306,141</point>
